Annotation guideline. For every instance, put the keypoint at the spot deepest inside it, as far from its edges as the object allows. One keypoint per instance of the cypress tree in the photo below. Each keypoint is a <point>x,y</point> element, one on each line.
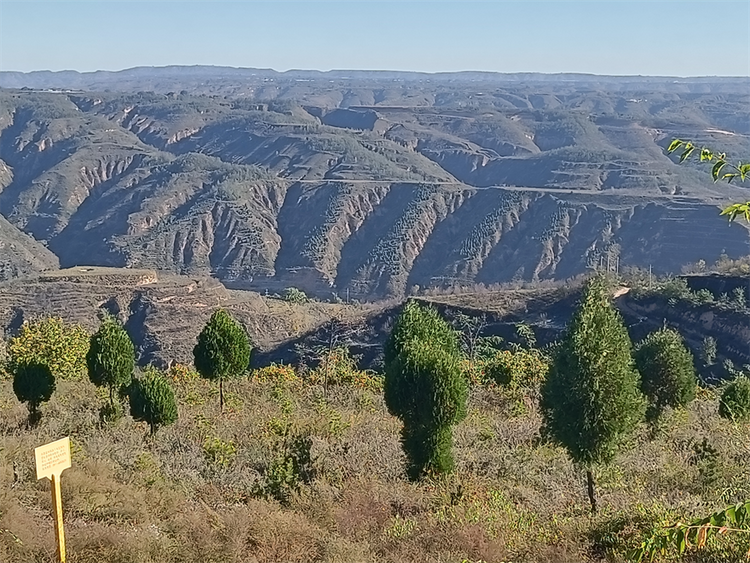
<point>591,400</point>
<point>223,350</point>
<point>111,357</point>
<point>425,388</point>
<point>667,371</point>
<point>33,383</point>
<point>152,400</point>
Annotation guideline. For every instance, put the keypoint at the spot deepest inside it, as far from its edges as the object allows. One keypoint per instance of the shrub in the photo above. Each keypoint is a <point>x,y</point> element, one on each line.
<point>152,400</point>
<point>111,357</point>
<point>522,368</point>
<point>591,401</point>
<point>425,388</point>
<point>735,400</point>
<point>667,372</point>
<point>223,350</point>
<point>181,373</point>
<point>218,452</point>
<point>52,342</point>
<point>338,367</point>
<point>294,295</point>
<point>276,373</point>
<point>33,384</point>
<point>287,471</point>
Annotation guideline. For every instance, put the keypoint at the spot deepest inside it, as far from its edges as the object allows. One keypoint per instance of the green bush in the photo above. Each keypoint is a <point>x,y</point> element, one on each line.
<point>288,471</point>
<point>668,376</point>
<point>425,388</point>
<point>152,400</point>
<point>52,342</point>
<point>735,400</point>
<point>111,357</point>
<point>223,350</point>
<point>521,368</point>
<point>33,384</point>
<point>294,295</point>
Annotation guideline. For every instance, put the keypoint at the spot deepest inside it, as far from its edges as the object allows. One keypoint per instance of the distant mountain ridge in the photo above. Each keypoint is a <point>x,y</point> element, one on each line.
<point>92,80</point>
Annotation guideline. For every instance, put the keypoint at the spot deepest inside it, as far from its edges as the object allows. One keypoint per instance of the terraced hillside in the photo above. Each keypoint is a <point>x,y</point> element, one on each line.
<point>367,186</point>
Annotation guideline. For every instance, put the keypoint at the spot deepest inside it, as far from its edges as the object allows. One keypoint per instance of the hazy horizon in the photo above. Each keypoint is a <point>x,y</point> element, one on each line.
<point>600,38</point>
<point>376,70</point>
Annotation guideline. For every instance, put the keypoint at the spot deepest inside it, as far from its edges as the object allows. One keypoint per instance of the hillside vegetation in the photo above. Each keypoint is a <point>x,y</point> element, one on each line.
<point>305,464</point>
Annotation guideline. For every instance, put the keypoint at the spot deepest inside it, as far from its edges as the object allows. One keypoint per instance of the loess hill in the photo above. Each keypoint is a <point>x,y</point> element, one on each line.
<point>368,183</point>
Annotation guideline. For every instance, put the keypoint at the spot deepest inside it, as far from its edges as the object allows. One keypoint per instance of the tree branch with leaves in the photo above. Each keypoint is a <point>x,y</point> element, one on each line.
<point>722,170</point>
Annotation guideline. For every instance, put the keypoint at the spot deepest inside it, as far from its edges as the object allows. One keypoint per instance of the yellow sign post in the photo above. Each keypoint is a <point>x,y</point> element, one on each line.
<point>51,460</point>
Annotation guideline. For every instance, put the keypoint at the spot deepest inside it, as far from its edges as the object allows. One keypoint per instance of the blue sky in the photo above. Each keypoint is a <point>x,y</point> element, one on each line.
<point>674,38</point>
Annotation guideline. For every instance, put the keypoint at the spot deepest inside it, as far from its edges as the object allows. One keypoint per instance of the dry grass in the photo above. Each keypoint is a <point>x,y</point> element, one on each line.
<point>130,498</point>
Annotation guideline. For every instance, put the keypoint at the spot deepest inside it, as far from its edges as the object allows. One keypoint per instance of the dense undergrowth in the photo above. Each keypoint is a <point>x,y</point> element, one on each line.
<point>311,469</point>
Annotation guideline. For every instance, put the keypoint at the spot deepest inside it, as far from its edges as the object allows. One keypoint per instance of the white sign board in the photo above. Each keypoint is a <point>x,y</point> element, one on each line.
<point>52,458</point>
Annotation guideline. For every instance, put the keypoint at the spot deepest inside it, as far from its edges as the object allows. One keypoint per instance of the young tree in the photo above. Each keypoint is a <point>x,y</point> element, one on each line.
<point>33,384</point>
<point>590,400</point>
<point>52,342</point>
<point>152,400</point>
<point>735,400</point>
<point>425,388</point>
<point>223,350</point>
<point>111,357</point>
<point>667,372</point>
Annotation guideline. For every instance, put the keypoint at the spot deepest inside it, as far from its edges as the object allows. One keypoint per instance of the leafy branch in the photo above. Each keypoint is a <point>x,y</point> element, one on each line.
<point>721,170</point>
<point>682,536</point>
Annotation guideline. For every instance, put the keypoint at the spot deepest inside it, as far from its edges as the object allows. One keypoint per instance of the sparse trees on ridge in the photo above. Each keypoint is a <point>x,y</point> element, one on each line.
<point>591,400</point>
<point>223,350</point>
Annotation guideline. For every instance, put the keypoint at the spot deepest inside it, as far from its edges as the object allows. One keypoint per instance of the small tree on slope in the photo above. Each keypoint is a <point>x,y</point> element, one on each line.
<point>425,388</point>
<point>33,384</point>
<point>111,357</point>
<point>591,401</point>
<point>223,350</point>
<point>667,372</point>
<point>735,400</point>
<point>152,400</point>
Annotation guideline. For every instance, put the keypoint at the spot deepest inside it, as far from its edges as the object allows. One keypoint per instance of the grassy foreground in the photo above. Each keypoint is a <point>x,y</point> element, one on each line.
<point>293,473</point>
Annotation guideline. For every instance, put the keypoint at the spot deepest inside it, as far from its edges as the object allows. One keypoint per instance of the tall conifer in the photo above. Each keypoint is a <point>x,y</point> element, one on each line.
<point>591,400</point>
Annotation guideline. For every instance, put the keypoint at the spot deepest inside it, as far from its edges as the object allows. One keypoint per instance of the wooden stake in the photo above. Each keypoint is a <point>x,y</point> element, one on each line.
<point>57,516</point>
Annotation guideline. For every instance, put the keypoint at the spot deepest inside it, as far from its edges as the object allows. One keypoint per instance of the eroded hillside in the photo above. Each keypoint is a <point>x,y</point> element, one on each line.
<point>367,190</point>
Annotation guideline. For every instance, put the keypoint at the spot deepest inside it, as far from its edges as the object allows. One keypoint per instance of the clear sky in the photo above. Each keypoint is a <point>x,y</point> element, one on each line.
<point>675,38</point>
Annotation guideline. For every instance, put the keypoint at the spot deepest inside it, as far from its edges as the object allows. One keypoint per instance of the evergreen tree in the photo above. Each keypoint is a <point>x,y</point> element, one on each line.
<point>591,401</point>
<point>425,388</point>
<point>735,400</point>
<point>668,376</point>
<point>223,350</point>
<point>33,384</point>
<point>152,400</point>
<point>111,357</point>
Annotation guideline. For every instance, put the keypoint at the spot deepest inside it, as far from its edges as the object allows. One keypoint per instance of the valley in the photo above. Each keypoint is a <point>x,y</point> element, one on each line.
<point>369,185</point>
